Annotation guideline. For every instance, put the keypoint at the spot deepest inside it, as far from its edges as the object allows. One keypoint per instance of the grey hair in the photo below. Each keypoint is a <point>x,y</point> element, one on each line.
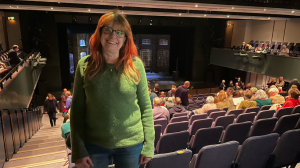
<point>260,94</point>
<point>210,100</point>
<point>223,80</point>
<point>275,90</point>
<point>295,79</point>
<point>273,86</point>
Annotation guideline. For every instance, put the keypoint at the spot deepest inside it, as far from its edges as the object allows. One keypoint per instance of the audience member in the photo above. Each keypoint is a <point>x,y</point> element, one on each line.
<point>208,106</point>
<point>230,93</point>
<point>13,56</point>
<point>177,108</point>
<point>240,83</point>
<point>262,98</point>
<point>267,49</point>
<point>247,102</point>
<point>271,83</point>
<point>222,100</point>
<point>152,96</point>
<point>280,89</point>
<point>158,111</point>
<point>156,89</point>
<point>69,100</point>
<point>243,47</point>
<point>222,85</point>
<point>63,100</point>
<point>248,47</point>
<point>162,94</point>
<point>67,116</point>
<point>51,107</point>
<point>280,83</point>
<point>230,84</point>
<point>294,82</point>
<point>191,101</point>
<point>253,90</point>
<point>261,48</point>
<point>249,86</point>
<point>242,92</point>
<point>236,87</point>
<point>169,103</point>
<point>65,129</point>
<point>2,66</point>
<point>182,93</point>
<point>171,92</point>
<point>276,99</point>
<point>285,51</point>
<point>236,94</point>
<point>293,100</point>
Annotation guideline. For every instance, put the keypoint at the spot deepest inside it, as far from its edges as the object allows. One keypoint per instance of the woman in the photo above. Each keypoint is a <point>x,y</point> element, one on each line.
<point>102,128</point>
<point>261,48</point>
<point>169,103</point>
<point>247,102</point>
<point>276,98</point>
<point>293,99</point>
<point>262,98</point>
<point>285,51</point>
<point>222,101</point>
<point>249,86</point>
<point>273,82</point>
<point>208,106</point>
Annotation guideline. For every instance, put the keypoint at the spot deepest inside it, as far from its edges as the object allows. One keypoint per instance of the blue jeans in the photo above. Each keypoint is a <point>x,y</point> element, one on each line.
<point>122,157</point>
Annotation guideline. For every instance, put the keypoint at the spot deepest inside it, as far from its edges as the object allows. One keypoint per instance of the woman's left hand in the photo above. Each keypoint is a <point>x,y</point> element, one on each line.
<point>144,159</point>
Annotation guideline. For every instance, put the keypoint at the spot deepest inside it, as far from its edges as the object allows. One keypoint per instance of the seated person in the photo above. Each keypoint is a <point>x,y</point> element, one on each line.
<point>273,82</point>
<point>13,57</point>
<point>247,102</point>
<point>158,111</point>
<point>267,49</point>
<point>177,108</point>
<point>162,94</point>
<point>230,92</point>
<point>248,47</point>
<point>236,87</point>
<point>249,86</point>
<point>253,90</point>
<point>169,103</point>
<point>280,83</point>
<point>2,66</point>
<point>276,98</point>
<point>293,99</point>
<point>285,51</point>
<point>223,102</point>
<point>262,98</point>
<point>243,47</point>
<point>65,129</point>
<point>208,106</point>
<point>191,101</point>
<point>67,116</point>
<point>261,48</point>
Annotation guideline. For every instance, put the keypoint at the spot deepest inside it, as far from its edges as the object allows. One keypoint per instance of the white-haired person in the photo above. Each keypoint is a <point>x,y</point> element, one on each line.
<point>262,98</point>
<point>222,85</point>
<point>276,98</point>
<point>158,111</point>
<point>169,103</point>
<point>208,106</point>
<point>285,51</point>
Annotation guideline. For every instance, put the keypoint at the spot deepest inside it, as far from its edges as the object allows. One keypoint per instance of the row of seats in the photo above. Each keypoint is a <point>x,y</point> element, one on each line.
<point>18,126</point>
<point>266,151</point>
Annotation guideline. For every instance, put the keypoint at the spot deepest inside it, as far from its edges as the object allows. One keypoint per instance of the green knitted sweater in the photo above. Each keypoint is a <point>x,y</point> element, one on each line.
<point>110,111</point>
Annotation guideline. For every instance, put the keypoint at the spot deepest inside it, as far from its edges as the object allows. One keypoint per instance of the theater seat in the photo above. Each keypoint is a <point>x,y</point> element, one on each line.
<point>172,142</point>
<point>285,123</point>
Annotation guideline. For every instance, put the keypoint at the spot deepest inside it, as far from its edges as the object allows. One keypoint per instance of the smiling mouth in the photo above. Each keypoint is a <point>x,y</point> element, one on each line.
<point>110,42</point>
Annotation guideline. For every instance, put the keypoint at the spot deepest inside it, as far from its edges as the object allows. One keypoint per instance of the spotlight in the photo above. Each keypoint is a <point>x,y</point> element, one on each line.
<point>293,11</point>
<point>269,18</point>
<point>51,7</point>
<point>74,20</point>
<point>179,14</point>
<point>151,22</point>
<point>17,6</point>
<point>90,19</point>
<point>89,10</point>
<point>196,6</point>
<point>265,9</point>
<point>228,16</point>
<point>180,22</point>
<point>232,8</point>
<point>204,15</point>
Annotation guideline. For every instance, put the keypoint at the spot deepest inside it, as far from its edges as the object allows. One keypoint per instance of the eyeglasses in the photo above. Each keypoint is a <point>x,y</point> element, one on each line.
<point>119,33</point>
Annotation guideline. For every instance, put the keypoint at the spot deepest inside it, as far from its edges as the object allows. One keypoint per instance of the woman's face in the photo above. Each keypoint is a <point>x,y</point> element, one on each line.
<point>110,41</point>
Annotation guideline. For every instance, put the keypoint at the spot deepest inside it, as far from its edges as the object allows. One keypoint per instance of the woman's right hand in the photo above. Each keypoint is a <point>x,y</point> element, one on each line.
<point>84,163</point>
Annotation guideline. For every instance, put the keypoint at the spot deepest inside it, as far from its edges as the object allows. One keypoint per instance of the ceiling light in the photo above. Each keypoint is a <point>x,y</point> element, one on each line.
<point>293,11</point>
<point>89,10</point>
<point>51,7</point>
<point>204,15</point>
<point>10,6</point>
<point>196,6</point>
<point>265,9</point>
<point>122,12</point>
<point>269,18</point>
<point>228,16</point>
<point>179,14</point>
<point>232,8</point>
<point>17,6</point>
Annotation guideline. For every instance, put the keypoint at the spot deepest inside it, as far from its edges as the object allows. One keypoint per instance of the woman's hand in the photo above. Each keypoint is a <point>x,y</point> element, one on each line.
<point>84,163</point>
<point>144,159</point>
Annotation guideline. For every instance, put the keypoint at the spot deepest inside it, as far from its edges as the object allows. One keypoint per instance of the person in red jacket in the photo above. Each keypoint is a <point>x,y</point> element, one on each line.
<point>293,99</point>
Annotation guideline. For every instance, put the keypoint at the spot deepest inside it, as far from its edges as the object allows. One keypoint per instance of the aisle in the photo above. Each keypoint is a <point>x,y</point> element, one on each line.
<point>46,149</point>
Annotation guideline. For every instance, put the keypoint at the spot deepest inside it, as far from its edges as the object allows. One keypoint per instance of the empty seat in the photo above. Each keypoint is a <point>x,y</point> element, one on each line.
<point>204,137</point>
<point>264,114</point>
<point>25,122</point>
<point>215,115</point>
<point>235,112</point>
<point>287,149</point>
<point>284,111</point>
<point>178,159</point>
<point>266,107</point>
<point>252,109</point>
<point>179,119</point>
<point>215,156</point>
<point>177,127</point>
<point>157,129</point>
<point>263,127</point>
<point>21,127</point>
<point>172,142</point>
<point>197,117</point>
<point>162,122</point>
<point>212,110</point>
<point>256,151</point>
<point>237,132</point>
<point>198,124</point>
<point>296,110</point>
<point>245,117</point>
<point>180,114</point>
<point>8,139</point>
<point>285,123</point>
<point>15,130</point>
<point>224,121</point>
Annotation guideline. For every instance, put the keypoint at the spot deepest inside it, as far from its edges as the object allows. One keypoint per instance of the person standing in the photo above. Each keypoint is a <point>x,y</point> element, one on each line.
<point>152,96</point>
<point>69,100</point>
<point>182,92</point>
<point>63,100</point>
<point>280,83</point>
<point>111,110</point>
<point>156,89</point>
<point>222,85</point>
<point>13,56</point>
<point>51,107</point>
<point>240,83</point>
<point>231,84</point>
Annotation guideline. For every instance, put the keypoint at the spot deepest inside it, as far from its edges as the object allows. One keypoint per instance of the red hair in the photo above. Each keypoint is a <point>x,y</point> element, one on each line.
<point>128,51</point>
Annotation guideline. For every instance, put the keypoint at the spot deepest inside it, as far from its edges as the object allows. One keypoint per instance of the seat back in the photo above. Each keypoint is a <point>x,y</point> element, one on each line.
<point>198,124</point>
<point>224,121</point>
<point>21,127</point>
<point>206,136</point>
<point>264,114</point>
<point>212,110</point>
<point>177,127</point>
<point>2,147</point>
<point>179,119</point>
<point>237,132</point>
<point>235,112</point>
<point>285,123</point>
<point>252,109</point>
<point>157,129</point>
<point>266,107</point>
<point>8,136</point>
<point>197,117</point>
<point>15,129</point>
<point>178,159</point>
<point>163,123</point>
<point>180,114</point>
<point>216,156</point>
<point>215,115</point>
<point>256,151</point>
<point>25,122</point>
<point>263,127</point>
<point>287,148</point>
<point>297,125</point>
<point>29,118</point>
<point>245,117</point>
<point>296,109</point>
<point>225,109</point>
<point>284,111</point>
<point>172,142</point>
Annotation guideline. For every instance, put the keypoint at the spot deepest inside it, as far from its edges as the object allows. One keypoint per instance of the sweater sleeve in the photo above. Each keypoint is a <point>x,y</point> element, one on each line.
<point>146,111</point>
<point>78,114</point>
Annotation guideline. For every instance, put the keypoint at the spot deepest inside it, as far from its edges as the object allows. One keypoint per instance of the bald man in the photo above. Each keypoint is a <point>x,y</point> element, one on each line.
<point>158,111</point>
<point>182,92</point>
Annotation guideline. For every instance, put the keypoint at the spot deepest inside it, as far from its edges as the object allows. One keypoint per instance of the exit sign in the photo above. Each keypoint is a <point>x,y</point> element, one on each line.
<point>11,18</point>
